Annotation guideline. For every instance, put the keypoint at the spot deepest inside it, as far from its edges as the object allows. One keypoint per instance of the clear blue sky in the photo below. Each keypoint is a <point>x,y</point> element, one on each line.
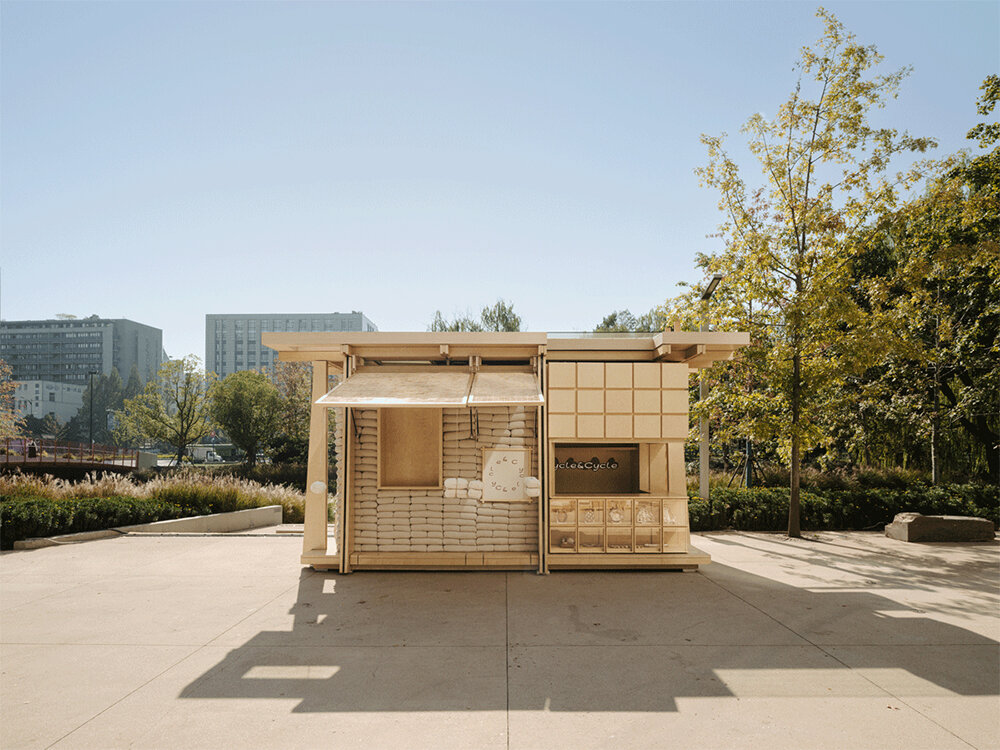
<point>161,161</point>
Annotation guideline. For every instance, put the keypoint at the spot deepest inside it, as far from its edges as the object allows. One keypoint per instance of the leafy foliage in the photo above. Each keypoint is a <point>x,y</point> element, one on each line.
<point>789,243</point>
<point>499,317</point>
<point>246,405</point>
<point>621,321</point>
<point>173,408</point>
<point>764,509</point>
<point>11,425</point>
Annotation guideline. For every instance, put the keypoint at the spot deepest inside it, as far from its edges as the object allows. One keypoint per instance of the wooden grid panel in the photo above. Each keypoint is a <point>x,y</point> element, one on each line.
<point>618,525</point>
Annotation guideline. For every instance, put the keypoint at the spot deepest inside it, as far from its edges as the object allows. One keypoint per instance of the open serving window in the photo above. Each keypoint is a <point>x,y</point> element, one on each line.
<point>596,469</point>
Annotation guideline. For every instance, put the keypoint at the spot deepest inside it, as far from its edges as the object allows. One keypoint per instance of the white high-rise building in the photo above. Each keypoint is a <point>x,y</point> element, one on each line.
<point>232,342</point>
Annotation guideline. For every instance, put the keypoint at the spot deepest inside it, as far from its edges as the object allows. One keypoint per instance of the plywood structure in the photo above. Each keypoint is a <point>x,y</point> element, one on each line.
<point>419,415</point>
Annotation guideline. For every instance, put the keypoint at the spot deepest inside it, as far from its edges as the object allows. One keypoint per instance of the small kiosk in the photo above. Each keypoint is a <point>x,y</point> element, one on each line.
<point>514,451</point>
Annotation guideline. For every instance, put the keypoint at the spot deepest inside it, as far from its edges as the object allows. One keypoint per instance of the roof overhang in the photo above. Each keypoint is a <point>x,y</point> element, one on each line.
<point>696,349</point>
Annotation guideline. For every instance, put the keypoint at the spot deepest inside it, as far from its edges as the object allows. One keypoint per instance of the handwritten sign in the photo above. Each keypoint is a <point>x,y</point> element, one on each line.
<point>504,472</point>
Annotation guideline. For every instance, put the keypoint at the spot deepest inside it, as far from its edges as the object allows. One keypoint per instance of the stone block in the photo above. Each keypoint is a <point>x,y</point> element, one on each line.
<point>914,527</point>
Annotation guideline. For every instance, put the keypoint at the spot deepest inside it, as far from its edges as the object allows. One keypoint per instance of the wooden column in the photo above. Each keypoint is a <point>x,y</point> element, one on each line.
<point>317,473</point>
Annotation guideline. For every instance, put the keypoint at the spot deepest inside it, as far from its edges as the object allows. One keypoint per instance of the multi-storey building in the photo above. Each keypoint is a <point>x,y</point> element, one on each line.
<point>66,351</point>
<point>232,342</point>
<point>37,398</point>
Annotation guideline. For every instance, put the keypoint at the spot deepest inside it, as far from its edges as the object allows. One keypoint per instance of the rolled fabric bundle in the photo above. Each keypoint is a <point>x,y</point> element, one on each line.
<point>476,494</point>
<point>533,492</point>
<point>450,493</point>
<point>450,483</point>
<point>532,482</point>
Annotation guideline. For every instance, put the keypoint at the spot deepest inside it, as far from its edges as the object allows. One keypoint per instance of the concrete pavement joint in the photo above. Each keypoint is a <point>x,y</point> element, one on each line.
<point>506,638</point>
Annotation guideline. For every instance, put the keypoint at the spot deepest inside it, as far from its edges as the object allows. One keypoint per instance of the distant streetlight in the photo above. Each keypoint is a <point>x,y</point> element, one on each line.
<point>703,394</point>
<point>92,373</point>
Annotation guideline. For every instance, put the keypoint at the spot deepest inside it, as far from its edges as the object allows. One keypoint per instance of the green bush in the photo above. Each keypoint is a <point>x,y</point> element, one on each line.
<point>766,508</point>
<point>26,517</point>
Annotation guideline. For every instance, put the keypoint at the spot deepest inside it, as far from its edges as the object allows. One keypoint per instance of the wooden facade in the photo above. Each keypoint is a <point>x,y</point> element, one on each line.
<point>500,450</point>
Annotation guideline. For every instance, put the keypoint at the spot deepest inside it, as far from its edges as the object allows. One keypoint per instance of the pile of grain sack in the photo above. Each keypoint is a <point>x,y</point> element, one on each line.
<point>454,519</point>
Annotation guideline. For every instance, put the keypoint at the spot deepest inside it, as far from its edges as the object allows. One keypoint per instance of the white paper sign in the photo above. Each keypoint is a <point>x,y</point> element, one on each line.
<point>504,472</point>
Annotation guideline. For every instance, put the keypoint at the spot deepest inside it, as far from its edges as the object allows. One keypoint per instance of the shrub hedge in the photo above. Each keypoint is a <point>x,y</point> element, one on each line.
<point>26,517</point>
<point>766,508</point>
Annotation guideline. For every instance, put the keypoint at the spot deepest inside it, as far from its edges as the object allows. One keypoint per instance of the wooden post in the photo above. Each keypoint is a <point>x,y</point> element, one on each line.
<point>317,472</point>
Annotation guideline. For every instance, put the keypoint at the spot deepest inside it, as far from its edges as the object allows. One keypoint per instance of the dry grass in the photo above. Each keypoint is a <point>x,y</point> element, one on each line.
<point>188,489</point>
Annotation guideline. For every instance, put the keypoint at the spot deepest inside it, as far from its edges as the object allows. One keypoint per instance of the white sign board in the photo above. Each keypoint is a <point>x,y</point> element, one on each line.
<point>504,471</point>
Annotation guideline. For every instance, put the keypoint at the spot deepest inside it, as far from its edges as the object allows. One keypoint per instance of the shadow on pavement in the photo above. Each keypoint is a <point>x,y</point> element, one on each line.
<point>327,663</point>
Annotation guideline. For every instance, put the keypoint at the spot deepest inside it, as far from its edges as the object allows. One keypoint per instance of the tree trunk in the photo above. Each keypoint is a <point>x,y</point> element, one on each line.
<point>794,529</point>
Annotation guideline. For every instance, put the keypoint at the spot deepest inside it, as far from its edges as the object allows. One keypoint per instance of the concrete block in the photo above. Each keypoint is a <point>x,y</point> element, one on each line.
<point>914,527</point>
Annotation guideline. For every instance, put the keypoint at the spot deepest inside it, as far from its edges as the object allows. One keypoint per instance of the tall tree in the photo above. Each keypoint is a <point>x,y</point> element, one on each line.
<point>621,321</point>
<point>11,424</point>
<point>788,240</point>
<point>936,285</point>
<point>497,317</point>
<point>246,405</point>
<point>173,408</point>
<point>106,395</point>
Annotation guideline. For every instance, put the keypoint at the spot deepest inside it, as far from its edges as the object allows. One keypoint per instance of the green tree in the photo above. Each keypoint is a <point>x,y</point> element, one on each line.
<point>46,427</point>
<point>290,440</point>
<point>246,405</point>
<point>621,321</point>
<point>174,408</point>
<point>789,240</point>
<point>934,281</point>
<point>134,385</point>
<point>498,317</point>
<point>11,425</point>
<point>107,399</point>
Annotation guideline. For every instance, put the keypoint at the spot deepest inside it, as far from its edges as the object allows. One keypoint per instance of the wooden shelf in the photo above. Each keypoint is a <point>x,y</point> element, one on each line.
<point>618,525</point>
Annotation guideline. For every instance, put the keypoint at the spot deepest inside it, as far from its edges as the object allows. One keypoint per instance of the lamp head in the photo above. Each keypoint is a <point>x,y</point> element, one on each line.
<point>712,286</point>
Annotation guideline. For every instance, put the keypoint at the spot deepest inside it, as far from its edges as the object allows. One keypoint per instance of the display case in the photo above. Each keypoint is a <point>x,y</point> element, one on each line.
<point>618,525</point>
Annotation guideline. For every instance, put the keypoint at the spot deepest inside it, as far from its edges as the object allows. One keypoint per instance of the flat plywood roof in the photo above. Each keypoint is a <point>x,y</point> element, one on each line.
<point>695,348</point>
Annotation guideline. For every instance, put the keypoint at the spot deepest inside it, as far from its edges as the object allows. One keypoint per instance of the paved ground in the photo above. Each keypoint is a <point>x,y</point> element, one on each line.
<point>844,641</point>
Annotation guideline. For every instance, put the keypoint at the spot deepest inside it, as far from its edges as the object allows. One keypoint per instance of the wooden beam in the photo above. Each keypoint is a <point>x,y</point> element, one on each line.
<point>317,470</point>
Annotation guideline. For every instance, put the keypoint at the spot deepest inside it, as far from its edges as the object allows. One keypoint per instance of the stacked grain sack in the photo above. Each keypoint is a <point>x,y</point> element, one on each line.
<point>338,457</point>
<point>454,519</point>
<point>365,501</point>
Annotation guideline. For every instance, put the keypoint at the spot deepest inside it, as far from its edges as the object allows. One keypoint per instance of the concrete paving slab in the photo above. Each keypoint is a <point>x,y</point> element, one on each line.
<point>838,641</point>
<point>146,610</point>
<point>400,609</point>
<point>336,697</point>
<point>740,724</point>
<point>47,692</point>
<point>634,607</point>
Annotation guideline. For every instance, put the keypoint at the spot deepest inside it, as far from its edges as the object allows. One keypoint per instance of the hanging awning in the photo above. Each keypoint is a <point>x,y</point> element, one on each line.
<point>505,389</point>
<point>377,388</point>
<point>374,390</point>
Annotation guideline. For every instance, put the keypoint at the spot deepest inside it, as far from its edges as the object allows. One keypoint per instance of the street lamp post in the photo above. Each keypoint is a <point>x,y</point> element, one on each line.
<point>92,373</point>
<point>703,394</point>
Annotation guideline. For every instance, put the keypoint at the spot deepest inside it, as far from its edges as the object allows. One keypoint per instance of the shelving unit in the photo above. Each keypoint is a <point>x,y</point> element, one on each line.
<point>618,525</point>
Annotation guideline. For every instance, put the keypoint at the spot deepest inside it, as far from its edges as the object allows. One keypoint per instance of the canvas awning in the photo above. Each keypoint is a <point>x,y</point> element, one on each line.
<point>505,389</point>
<point>377,388</point>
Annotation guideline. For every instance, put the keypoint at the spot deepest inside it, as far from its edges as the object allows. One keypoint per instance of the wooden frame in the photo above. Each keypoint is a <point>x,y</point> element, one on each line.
<point>596,389</point>
<point>495,484</point>
<point>408,438</point>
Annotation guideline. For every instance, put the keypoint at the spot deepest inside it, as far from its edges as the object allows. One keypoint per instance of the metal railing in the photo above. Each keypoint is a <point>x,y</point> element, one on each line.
<point>30,451</point>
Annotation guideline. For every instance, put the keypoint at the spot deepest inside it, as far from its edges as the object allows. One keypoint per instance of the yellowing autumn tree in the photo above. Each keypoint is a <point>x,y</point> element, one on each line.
<point>789,237</point>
